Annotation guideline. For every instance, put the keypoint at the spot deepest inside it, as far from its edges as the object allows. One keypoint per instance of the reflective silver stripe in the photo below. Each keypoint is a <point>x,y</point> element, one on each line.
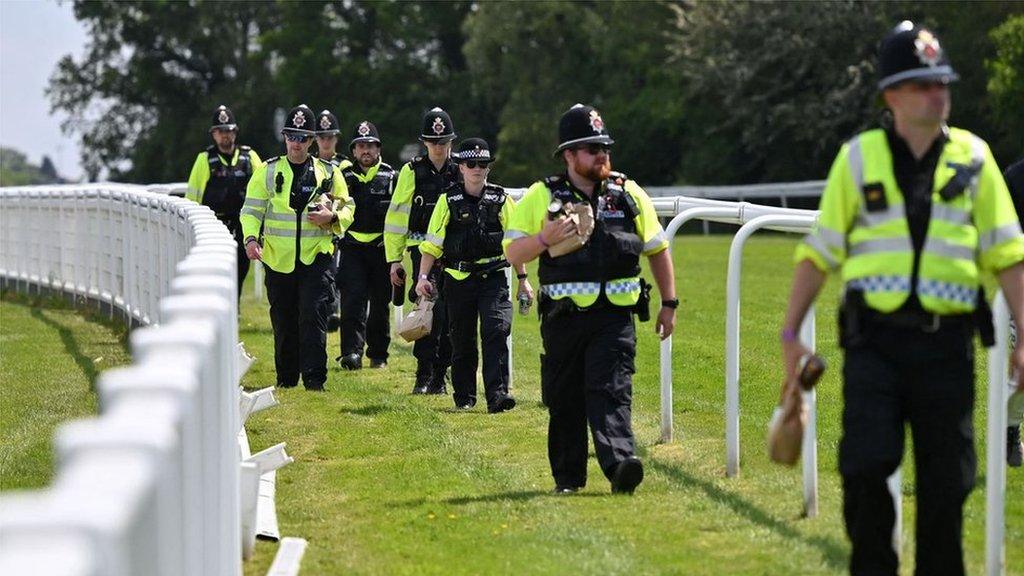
<point>571,289</point>
<point>622,286</point>
<point>435,239</point>
<point>270,175</point>
<point>818,245</point>
<point>391,228</point>
<point>947,291</point>
<point>279,217</point>
<point>855,160</point>
<point>515,234</point>
<point>831,238</point>
<point>890,214</point>
<point>290,232</point>
<point>247,211</point>
<point>256,203</point>
<point>400,208</point>
<point>655,242</point>
<point>871,284</point>
<point>951,214</point>
<point>417,236</point>
<point>880,245</point>
<point>942,247</point>
<point>996,236</point>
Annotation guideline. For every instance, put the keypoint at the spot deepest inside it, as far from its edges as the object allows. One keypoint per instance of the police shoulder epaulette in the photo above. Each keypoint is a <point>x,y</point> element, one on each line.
<point>272,159</point>
<point>245,148</point>
<point>384,166</point>
<point>552,181</point>
<point>494,189</point>
<point>211,148</point>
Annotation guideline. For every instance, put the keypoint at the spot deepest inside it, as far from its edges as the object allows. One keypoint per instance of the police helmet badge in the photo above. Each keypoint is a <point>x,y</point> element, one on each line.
<point>299,120</point>
<point>223,116</point>
<point>325,122</point>
<point>438,126</point>
<point>364,129</point>
<point>927,48</point>
<point>596,122</point>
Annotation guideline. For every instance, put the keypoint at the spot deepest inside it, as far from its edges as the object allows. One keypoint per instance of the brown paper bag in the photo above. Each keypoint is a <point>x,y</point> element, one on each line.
<point>583,216</point>
<point>786,428</point>
<point>419,321</point>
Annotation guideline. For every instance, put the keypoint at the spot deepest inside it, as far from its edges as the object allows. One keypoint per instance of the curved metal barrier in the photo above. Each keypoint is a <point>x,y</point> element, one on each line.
<point>153,485</point>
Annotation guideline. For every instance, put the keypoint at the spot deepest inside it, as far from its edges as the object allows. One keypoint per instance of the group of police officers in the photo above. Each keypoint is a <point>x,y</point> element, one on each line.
<point>911,214</point>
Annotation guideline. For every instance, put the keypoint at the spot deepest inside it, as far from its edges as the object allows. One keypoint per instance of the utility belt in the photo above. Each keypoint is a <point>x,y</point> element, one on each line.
<point>476,267</point>
<point>856,320</point>
<point>549,308</point>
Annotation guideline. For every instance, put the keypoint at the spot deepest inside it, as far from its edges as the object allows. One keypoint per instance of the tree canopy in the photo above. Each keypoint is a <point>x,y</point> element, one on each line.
<point>692,92</point>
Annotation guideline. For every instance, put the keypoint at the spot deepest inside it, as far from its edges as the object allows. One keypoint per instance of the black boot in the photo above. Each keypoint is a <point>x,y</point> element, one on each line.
<point>438,384</point>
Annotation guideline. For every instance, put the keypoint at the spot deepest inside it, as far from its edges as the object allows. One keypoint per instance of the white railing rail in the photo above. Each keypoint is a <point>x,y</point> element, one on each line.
<point>151,485</point>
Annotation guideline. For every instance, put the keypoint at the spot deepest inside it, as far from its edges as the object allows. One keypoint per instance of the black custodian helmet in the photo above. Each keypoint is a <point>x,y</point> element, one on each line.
<point>300,120</point>
<point>474,149</point>
<point>327,123</point>
<point>437,127</point>
<point>365,132</point>
<point>911,52</point>
<point>223,119</point>
<point>581,125</point>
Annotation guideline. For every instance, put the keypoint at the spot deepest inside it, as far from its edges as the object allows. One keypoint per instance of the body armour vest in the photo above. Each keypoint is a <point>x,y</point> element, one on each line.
<point>371,198</point>
<point>474,227</point>
<point>614,248</point>
<point>429,185</point>
<point>225,191</point>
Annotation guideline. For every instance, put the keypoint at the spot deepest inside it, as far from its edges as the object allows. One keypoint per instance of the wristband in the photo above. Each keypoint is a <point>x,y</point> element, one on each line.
<point>540,238</point>
<point>250,239</point>
<point>424,277</point>
<point>788,335</point>
<point>522,276</point>
<point>673,303</point>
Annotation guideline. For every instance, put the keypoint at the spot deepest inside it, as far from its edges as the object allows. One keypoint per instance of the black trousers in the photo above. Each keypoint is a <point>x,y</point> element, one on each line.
<point>899,376</point>
<point>235,227</point>
<point>587,377</point>
<point>364,277</point>
<point>300,302</point>
<point>434,352</point>
<point>483,299</point>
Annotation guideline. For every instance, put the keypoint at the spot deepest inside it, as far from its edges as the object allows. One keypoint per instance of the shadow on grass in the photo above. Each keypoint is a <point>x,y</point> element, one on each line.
<point>834,553</point>
<point>521,496</point>
<point>371,410</point>
<point>67,337</point>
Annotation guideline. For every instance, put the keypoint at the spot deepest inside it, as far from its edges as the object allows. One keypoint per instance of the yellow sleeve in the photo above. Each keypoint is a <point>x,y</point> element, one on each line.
<point>825,246</point>
<point>256,199</point>
<point>647,224</point>
<point>396,221</point>
<point>434,242</point>
<point>254,159</point>
<point>527,217</point>
<point>1000,241</point>
<point>506,212</point>
<point>198,178</point>
<point>346,204</point>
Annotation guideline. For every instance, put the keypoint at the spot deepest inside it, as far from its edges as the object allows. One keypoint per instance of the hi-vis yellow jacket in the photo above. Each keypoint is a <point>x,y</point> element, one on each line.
<point>863,231</point>
<point>287,235</point>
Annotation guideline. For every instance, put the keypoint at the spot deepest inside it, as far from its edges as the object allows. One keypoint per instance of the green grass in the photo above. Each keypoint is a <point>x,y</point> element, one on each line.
<point>388,483</point>
<point>49,359</point>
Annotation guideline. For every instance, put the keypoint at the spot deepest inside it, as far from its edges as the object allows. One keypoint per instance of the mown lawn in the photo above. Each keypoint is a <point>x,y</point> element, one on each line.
<point>49,359</point>
<point>389,483</point>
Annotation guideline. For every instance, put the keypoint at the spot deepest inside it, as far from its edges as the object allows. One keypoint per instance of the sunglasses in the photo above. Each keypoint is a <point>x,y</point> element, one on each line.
<point>297,137</point>
<point>475,164</point>
<point>594,149</point>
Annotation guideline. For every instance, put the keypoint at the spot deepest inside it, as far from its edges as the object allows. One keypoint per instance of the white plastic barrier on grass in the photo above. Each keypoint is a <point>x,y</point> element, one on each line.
<point>151,485</point>
<point>995,452</point>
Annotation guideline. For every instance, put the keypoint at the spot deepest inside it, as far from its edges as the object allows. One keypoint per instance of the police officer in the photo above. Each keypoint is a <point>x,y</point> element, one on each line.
<point>910,215</point>
<point>466,230</point>
<point>219,177</point>
<point>587,301</point>
<point>420,183</point>
<point>365,275</point>
<point>327,130</point>
<point>293,206</point>
<point>1014,176</point>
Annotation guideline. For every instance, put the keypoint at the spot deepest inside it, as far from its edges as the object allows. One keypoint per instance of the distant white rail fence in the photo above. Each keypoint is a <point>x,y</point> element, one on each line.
<point>161,482</point>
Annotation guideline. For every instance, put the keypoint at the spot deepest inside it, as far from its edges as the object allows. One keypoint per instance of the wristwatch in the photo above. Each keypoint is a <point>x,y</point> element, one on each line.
<point>424,277</point>
<point>522,276</point>
<point>673,303</point>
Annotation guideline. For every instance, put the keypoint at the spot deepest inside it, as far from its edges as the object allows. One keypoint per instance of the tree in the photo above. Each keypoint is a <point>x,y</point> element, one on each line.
<point>15,170</point>
<point>1006,84</point>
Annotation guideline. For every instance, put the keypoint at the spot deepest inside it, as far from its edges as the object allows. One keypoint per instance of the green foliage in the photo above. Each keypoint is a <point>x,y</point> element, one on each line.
<point>1006,78</point>
<point>15,170</point>
<point>694,92</point>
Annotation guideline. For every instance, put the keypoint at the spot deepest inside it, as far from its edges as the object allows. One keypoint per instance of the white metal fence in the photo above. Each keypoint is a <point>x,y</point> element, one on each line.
<point>161,482</point>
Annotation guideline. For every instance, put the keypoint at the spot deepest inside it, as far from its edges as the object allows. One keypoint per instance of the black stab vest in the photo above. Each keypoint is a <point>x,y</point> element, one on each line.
<point>225,190</point>
<point>474,227</point>
<point>372,198</point>
<point>429,185</point>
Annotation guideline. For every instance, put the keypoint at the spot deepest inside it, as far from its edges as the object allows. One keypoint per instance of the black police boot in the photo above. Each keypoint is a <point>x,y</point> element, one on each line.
<point>1014,448</point>
<point>422,384</point>
<point>502,404</point>
<point>438,384</point>
<point>565,490</point>
<point>378,363</point>
<point>628,475</point>
<point>352,361</point>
